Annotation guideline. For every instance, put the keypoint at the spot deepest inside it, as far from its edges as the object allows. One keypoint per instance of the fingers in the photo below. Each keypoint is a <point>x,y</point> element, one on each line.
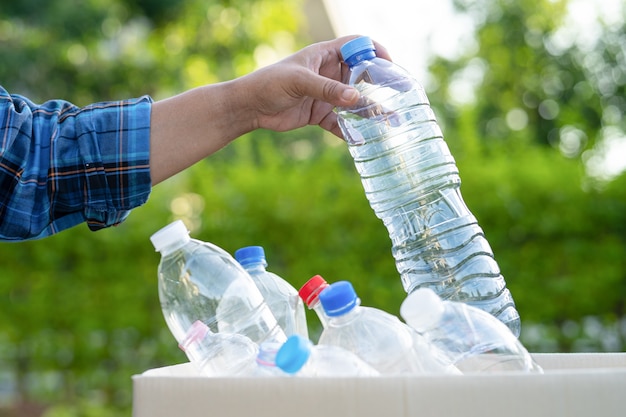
<point>323,80</point>
<point>328,90</point>
<point>305,86</point>
<point>381,51</point>
<point>331,90</point>
<point>330,124</point>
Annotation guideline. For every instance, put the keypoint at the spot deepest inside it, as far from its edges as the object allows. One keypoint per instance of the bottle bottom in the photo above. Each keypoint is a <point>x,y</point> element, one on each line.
<point>457,264</point>
<point>511,318</point>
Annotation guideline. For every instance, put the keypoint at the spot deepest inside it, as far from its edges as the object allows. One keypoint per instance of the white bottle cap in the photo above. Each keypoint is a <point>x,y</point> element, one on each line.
<point>170,234</point>
<point>422,309</point>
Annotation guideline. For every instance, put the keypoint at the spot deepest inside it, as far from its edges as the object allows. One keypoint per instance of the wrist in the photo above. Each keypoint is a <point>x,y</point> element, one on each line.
<point>231,102</point>
<point>195,124</point>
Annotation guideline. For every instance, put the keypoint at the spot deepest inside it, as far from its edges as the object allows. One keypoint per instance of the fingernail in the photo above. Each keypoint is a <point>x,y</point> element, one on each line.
<point>349,94</point>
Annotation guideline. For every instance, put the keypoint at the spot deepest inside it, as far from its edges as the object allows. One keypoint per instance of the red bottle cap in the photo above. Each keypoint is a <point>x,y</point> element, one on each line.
<point>311,290</point>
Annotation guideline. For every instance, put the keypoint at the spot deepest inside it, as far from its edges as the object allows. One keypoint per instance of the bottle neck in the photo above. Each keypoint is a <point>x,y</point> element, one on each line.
<point>175,246</point>
<point>321,314</point>
<point>267,354</point>
<point>360,57</point>
<point>345,318</point>
<point>255,267</point>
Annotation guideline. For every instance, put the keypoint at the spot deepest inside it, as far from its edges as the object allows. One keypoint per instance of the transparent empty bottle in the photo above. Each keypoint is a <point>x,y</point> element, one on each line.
<point>413,185</point>
<point>380,339</point>
<point>219,354</point>
<point>229,354</point>
<point>281,297</point>
<point>200,281</point>
<point>299,356</point>
<point>471,339</point>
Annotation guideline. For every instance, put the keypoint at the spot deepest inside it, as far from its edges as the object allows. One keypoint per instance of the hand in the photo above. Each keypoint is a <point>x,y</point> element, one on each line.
<point>302,89</point>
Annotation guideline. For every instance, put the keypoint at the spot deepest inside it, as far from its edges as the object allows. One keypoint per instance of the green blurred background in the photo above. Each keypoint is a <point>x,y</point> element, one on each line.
<point>79,313</point>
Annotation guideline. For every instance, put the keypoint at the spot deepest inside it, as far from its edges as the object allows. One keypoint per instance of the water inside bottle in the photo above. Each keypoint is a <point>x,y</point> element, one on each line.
<point>412,183</point>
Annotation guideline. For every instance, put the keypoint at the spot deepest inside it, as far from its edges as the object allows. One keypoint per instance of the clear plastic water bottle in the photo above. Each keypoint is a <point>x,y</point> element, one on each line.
<point>229,354</point>
<point>200,281</point>
<point>412,183</point>
<point>299,356</point>
<point>281,297</point>
<point>380,339</point>
<point>309,293</point>
<point>472,339</point>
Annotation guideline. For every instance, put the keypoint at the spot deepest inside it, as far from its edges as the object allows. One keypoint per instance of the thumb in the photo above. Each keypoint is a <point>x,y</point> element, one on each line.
<point>330,91</point>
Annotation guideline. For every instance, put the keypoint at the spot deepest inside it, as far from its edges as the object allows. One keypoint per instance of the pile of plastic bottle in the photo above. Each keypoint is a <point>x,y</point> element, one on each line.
<point>232,316</point>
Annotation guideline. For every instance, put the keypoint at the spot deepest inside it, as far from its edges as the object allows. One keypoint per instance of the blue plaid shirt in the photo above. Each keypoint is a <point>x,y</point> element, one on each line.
<point>61,165</point>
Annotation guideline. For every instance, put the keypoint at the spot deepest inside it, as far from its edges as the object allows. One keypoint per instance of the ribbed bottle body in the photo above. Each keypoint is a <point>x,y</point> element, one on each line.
<point>412,183</point>
<point>382,341</point>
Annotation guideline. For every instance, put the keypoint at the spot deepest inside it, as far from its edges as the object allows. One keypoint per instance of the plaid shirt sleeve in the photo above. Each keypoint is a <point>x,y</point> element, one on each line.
<point>61,165</point>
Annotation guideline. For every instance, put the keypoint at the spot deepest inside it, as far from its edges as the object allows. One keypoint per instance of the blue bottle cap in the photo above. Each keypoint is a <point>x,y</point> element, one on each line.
<point>250,255</point>
<point>357,50</point>
<point>339,298</point>
<point>293,354</point>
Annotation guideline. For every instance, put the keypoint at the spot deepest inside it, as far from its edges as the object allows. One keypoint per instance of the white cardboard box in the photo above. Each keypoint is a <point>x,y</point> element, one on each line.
<point>573,385</point>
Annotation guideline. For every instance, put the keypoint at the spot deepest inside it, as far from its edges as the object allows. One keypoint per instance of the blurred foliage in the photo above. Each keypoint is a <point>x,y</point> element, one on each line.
<point>533,110</point>
<point>533,76</point>
<point>80,311</point>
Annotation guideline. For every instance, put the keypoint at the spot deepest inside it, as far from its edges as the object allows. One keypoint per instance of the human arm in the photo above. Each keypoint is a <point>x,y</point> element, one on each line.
<point>61,165</point>
<point>300,90</point>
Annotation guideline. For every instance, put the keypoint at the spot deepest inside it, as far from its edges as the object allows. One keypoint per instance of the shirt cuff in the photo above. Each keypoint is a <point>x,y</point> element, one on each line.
<point>114,151</point>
